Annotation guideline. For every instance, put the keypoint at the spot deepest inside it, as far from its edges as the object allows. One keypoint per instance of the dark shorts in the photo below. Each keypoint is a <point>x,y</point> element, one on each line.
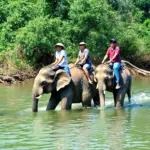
<point>88,67</point>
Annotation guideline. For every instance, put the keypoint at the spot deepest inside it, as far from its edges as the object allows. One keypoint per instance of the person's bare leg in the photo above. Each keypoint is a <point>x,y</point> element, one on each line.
<point>87,75</point>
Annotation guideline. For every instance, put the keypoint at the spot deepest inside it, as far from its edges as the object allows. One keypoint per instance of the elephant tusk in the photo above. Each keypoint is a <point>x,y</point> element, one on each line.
<point>95,79</point>
<point>97,87</point>
<point>38,97</point>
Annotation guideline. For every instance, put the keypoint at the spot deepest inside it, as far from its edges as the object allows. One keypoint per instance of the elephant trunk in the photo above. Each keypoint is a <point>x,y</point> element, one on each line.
<point>101,88</point>
<point>36,94</point>
<point>102,98</point>
<point>34,103</point>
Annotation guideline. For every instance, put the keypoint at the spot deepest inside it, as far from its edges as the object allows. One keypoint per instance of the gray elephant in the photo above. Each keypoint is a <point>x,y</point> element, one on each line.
<point>68,90</point>
<point>106,81</point>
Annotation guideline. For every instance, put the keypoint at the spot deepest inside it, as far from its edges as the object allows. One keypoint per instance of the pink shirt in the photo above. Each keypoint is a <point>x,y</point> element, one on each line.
<point>111,53</point>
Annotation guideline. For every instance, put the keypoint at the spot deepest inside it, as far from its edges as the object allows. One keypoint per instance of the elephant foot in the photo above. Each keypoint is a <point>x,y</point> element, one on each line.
<point>100,108</point>
<point>118,107</point>
<point>96,106</point>
<point>84,107</point>
<point>86,104</point>
<point>129,101</point>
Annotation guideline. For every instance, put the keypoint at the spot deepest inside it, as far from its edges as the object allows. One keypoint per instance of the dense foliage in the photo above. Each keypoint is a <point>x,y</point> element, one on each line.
<point>30,29</point>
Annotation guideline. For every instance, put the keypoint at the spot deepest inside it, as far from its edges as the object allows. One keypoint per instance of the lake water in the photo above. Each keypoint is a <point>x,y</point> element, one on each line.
<point>78,129</point>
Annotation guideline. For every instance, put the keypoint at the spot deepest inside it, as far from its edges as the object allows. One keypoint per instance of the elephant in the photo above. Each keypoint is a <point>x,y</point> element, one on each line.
<point>64,88</point>
<point>106,82</point>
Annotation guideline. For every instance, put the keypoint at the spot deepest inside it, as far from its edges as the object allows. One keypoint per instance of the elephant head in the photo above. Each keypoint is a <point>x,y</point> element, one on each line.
<point>103,77</point>
<point>48,81</point>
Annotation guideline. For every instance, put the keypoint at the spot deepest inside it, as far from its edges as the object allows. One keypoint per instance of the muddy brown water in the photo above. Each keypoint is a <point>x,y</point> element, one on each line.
<point>78,129</point>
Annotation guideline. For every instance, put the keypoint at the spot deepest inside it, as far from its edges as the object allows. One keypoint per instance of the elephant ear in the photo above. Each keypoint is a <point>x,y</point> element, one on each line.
<point>62,79</point>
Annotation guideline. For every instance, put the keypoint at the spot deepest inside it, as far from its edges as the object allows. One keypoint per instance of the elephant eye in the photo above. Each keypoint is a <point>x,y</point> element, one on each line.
<point>106,71</point>
<point>52,76</point>
<point>111,73</point>
<point>43,83</point>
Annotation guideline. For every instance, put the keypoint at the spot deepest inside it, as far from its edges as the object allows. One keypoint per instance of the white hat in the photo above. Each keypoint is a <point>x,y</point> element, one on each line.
<point>59,44</point>
<point>82,43</point>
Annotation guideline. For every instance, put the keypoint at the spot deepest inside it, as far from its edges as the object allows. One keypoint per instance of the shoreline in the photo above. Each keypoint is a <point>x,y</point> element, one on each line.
<point>17,78</point>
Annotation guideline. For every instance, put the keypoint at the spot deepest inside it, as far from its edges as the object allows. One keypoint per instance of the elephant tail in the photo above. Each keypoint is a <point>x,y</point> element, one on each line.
<point>129,89</point>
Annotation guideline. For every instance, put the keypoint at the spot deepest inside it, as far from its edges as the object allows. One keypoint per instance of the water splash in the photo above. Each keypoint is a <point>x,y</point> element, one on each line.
<point>141,98</point>
<point>136,100</point>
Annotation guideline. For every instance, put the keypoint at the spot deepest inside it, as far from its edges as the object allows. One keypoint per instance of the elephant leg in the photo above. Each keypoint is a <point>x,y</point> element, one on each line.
<point>96,100</point>
<point>53,102</point>
<point>129,91</point>
<point>65,103</point>
<point>115,101</point>
<point>129,95</point>
<point>66,97</point>
<point>86,99</point>
<point>119,98</point>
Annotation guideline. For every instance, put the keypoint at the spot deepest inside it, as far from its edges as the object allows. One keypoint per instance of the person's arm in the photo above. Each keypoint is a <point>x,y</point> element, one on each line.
<point>84,60</point>
<point>53,64</point>
<point>59,61</point>
<point>56,60</point>
<point>77,60</point>
<point>113,58</point>
<point>105,57</point>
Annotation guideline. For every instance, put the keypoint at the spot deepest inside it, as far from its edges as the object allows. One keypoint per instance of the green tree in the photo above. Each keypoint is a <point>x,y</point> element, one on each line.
<point>93,22</point>
<point>35,26</point>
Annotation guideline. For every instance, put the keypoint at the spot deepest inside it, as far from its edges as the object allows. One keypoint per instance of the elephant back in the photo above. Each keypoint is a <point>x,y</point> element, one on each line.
<point>81,85</point>
<point>76,74</point>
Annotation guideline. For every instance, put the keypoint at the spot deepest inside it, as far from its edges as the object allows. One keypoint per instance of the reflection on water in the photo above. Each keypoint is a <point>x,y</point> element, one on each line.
<point>77,129</point>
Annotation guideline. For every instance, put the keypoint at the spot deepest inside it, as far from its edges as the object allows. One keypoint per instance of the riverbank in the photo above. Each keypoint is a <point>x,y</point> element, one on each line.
<point>20,76</point>
<point>141,60</point>
<point>10,73</point>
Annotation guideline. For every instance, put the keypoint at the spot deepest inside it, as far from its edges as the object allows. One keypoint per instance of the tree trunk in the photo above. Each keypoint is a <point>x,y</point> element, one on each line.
<point>135,70</point>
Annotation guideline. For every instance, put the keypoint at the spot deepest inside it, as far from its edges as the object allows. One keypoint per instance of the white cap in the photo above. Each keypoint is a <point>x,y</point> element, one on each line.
<point>82,43</point>
<point>59,44</point>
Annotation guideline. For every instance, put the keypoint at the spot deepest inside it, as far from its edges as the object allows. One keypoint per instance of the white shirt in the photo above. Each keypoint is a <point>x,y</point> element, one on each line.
<point>59,54</point>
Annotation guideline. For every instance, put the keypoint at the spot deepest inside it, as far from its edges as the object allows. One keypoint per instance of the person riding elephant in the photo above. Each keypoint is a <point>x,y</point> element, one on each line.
<point>84,61</point>
<point>113,53</point>
<point>63,88</point>
<point>119,82</point>
<point>107,82</point>
<point>61,59</point>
